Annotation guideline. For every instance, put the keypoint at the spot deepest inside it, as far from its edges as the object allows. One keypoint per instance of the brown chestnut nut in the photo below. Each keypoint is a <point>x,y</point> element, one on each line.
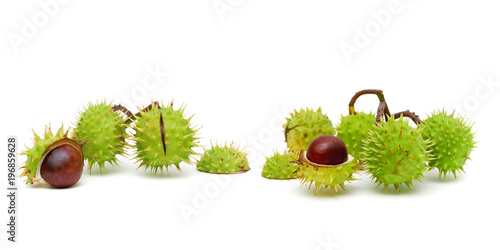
<point>327,150</point>
<point>62,164</point>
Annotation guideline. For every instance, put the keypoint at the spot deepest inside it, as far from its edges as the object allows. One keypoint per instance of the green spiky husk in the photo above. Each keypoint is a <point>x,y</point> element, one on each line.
<point>104,131</point>
<point>180,138</point>
<point>303,126</point>
<point>452,141</point>
<point>396,153</point>
<point>35,153</point>
<point>328,177</point>
<point>281,167</point>
<point>223,160</point>
<point>353,129</point>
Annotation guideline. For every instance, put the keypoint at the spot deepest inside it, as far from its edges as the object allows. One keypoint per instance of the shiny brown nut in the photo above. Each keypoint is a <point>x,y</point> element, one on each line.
<point>327,150</point>
<point>62,166</point>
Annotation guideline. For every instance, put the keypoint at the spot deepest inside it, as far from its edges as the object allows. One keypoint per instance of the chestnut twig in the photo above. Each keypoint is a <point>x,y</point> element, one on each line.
<point>381,111</point>
<point>377,92</point>
<point>146,109</point>
<point>150,106</point>
<point>411,115</point>
<point>122,109</point>
<point>126,111</point>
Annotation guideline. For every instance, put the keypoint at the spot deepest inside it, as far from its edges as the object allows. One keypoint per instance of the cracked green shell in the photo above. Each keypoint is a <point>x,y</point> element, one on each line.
<point>303,126</point>
<point>104,131</point>
<point>353,129</point>
<point>156,150</point>
<point>281,167</point>
<point>35,153</point>
<point>396,153</point>
<point>328,177</point>
<point>452,141</point>
<point>223,160</point>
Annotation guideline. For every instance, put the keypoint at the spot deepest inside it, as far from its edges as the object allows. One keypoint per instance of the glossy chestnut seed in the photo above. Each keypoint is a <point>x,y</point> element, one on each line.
<point>327,150</point>
<point>62,166</point>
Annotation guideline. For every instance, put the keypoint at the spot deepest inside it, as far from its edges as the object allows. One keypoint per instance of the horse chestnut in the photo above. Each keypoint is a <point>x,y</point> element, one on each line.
<point>62,164</point>
<point>327,150</point>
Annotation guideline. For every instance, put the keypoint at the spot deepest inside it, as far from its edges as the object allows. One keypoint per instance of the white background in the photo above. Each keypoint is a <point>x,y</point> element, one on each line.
<point>241,72</point>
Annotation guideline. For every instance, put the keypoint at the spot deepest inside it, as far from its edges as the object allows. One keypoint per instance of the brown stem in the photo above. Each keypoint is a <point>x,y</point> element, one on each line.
<point>146,109</point>
<point>377,92</point>
<point>411,115</point>
<point>150,106</point>
<point>122,109</point>
<point>382,111</point>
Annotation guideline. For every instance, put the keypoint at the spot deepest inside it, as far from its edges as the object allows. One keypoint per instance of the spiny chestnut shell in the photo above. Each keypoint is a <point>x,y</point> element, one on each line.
<point>327,150</point>
<point>62,165</point>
